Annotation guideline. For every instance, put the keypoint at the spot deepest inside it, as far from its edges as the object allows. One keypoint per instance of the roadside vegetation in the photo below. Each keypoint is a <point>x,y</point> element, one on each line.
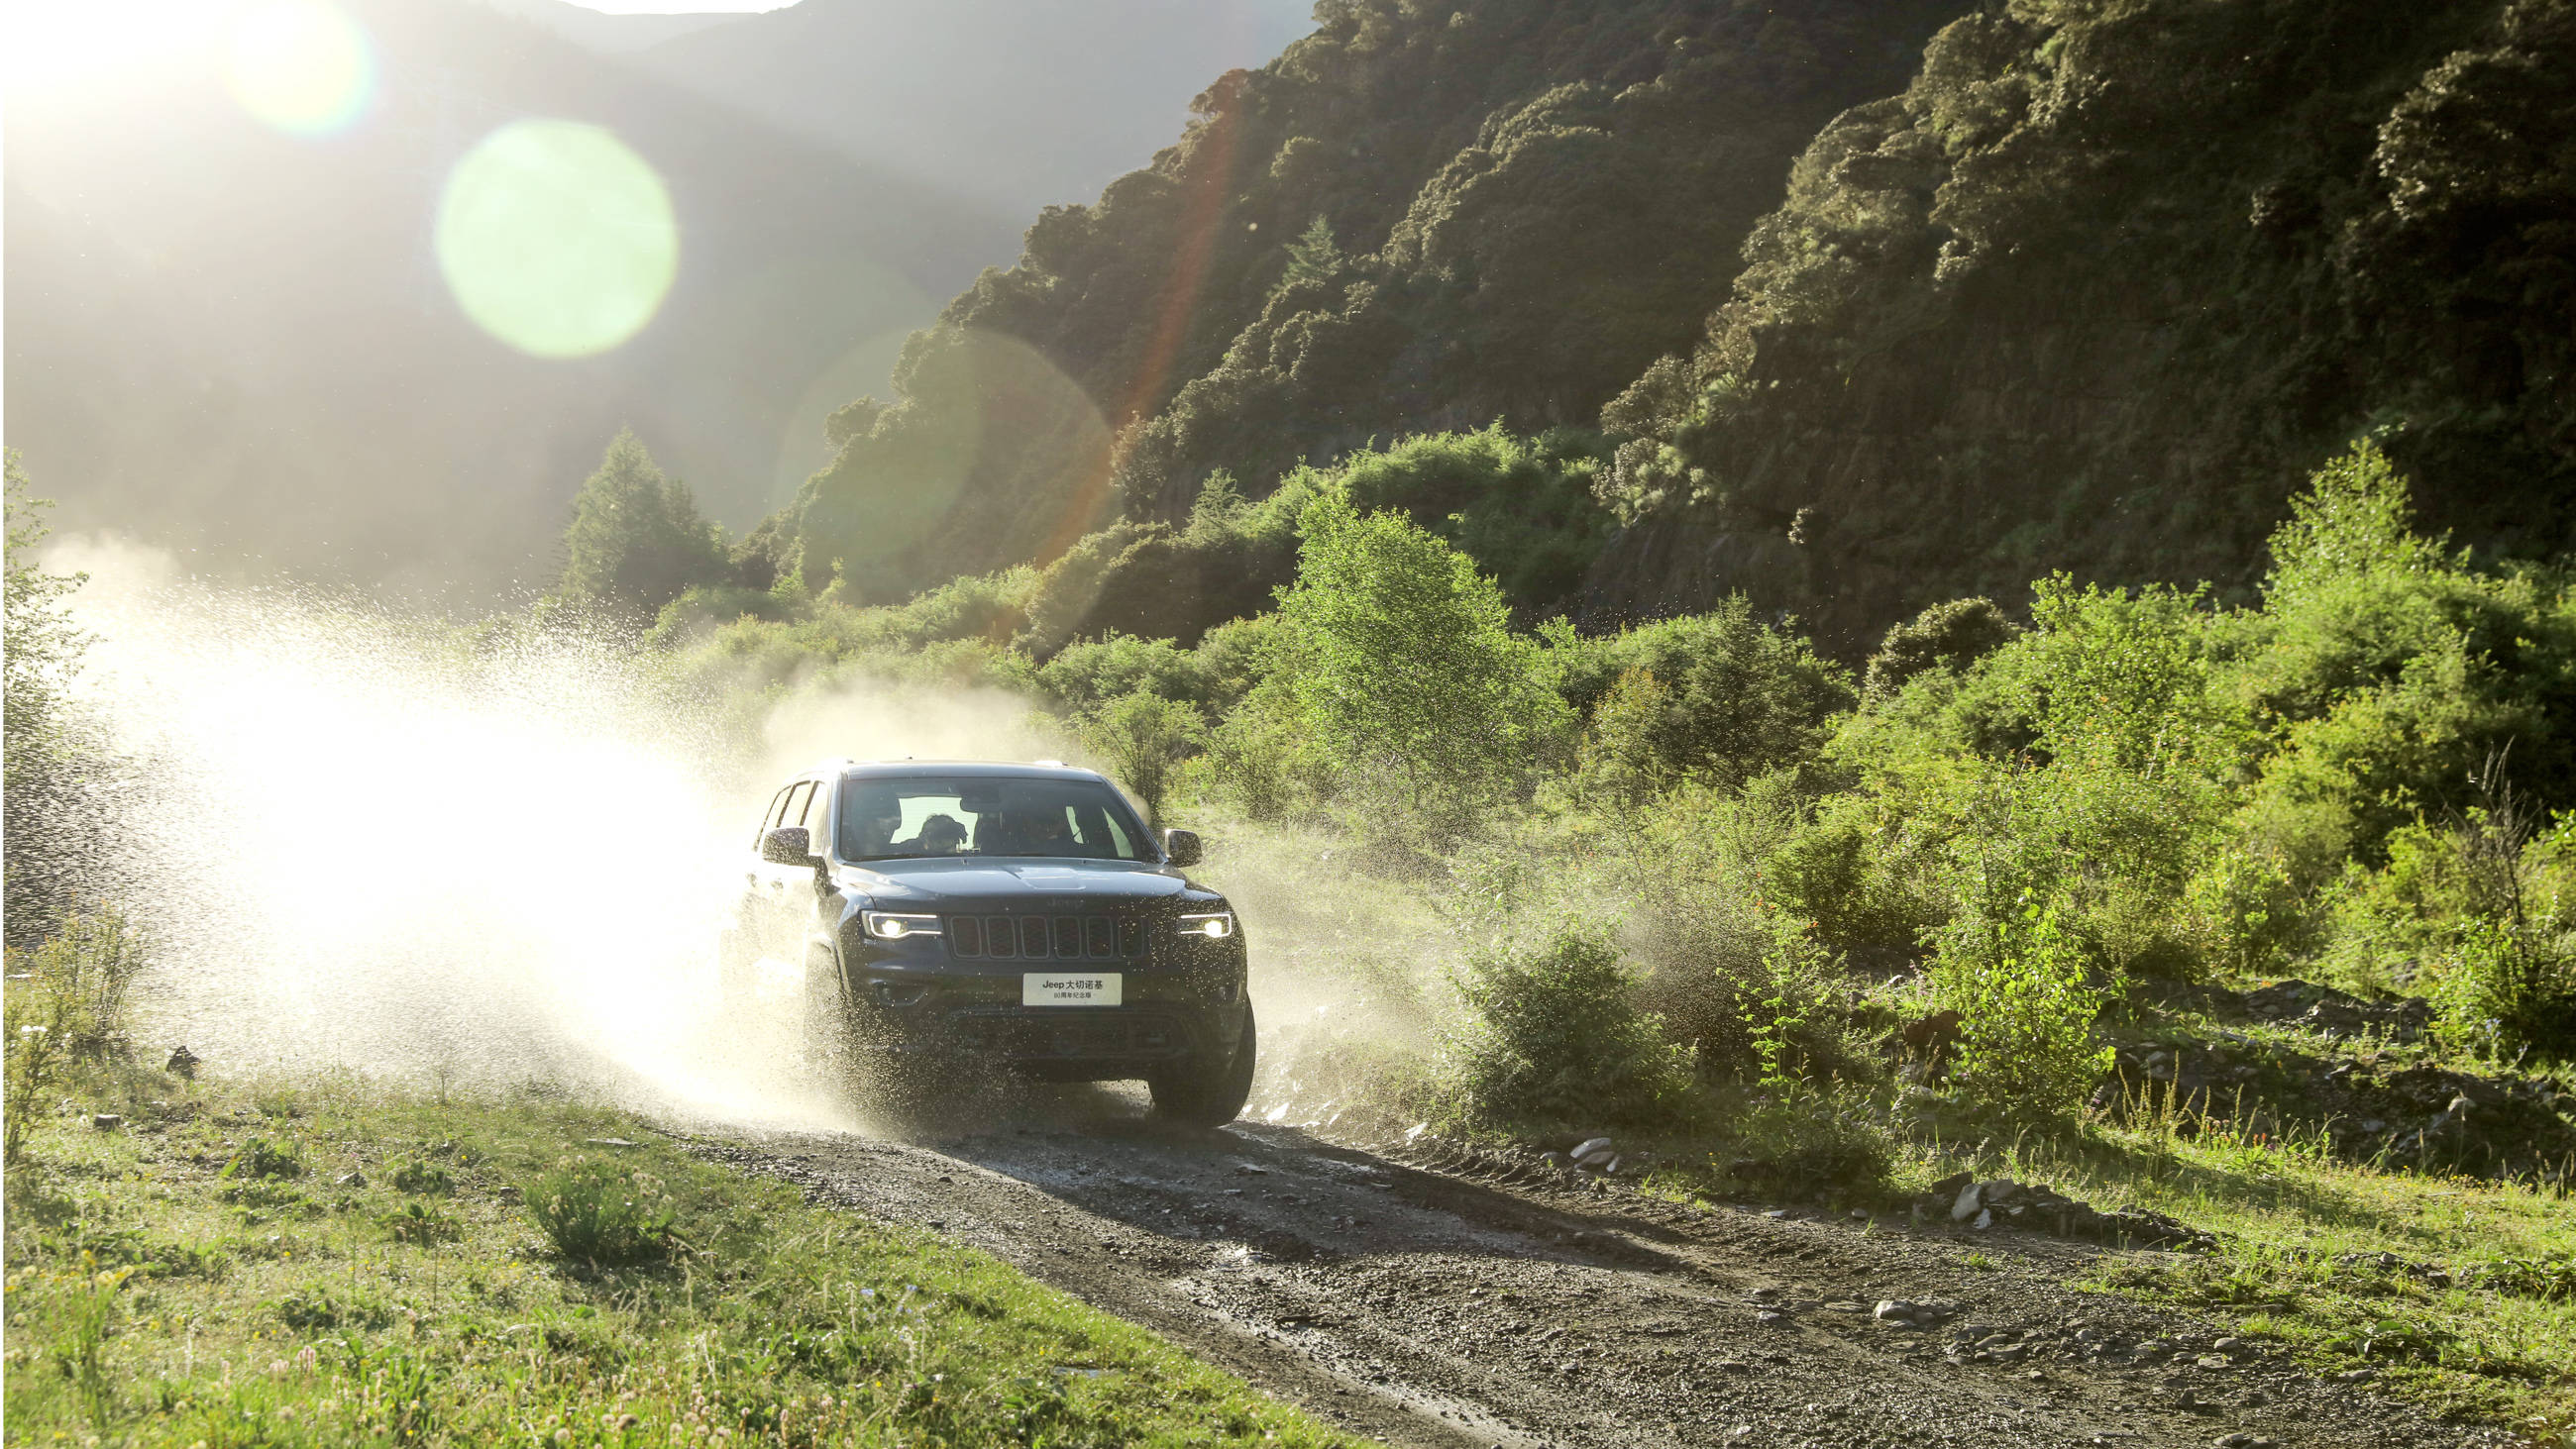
<point>240,1263</point>
<point>2256,913</point>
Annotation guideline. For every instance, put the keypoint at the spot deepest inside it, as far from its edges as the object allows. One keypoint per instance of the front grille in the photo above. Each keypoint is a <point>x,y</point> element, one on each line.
<point>1131,1034</point>
<point>1045,938</point>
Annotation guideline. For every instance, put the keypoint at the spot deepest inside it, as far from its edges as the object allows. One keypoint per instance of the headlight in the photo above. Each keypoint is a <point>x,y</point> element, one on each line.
<point>887,926</point>
<point>1216,925</point>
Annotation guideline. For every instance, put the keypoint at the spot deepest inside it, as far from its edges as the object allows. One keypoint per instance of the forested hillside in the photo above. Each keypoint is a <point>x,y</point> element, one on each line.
<point>1408,221</point>
<point>2102,283</point>
<point>2070,285</point>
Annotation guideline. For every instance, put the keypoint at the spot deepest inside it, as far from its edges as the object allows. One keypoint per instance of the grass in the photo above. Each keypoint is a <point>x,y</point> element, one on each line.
<point>212,1275</point>
<point>2471,1315</point>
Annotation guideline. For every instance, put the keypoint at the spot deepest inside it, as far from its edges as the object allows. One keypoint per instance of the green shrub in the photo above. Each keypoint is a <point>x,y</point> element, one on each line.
<point>260,1158</point>
<point>1397,659</point>
<point>1718,696</point>
<point>1555,1036</point>
<point>409,1174</point>
<point>2017,980</point>
<point>1144,737</point>
<point>603,1215</point>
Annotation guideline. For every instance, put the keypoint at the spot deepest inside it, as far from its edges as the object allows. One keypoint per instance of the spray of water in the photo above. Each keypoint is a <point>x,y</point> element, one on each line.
<point>371,842</point>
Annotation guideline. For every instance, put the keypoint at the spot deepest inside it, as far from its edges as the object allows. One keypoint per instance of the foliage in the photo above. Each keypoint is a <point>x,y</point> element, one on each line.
<point>636,541</point>
<point>1717,697</point>
<point>2354,231</point>
<point>151,1309</point>
<point>1144,736</point>
<point>66,1010</point>
<point>50,754</point>
<point>603,1214</point>
<point>1397,657</point>
<point>2026,1035</point>
<point>1554,1036</point>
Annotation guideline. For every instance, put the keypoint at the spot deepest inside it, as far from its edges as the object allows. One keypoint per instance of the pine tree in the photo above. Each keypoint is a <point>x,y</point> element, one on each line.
<point>636,541</point>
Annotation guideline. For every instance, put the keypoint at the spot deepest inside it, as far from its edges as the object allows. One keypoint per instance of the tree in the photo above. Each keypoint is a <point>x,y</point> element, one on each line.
<point>1313,257</point>
<point>49,755</point>
<point>1145,735</point>
<point>1399,660</point>
<point>636,540</point>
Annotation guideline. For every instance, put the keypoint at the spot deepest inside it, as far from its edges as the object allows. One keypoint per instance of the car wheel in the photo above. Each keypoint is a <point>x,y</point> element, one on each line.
<point>1204,1092</point>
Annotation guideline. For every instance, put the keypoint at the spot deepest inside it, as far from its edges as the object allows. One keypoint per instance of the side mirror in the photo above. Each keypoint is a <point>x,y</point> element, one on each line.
<point>1180,847</point>
<point>788,845</point>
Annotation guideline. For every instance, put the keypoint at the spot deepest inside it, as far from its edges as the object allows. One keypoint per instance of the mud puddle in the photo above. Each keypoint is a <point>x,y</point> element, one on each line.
<point>1421,1306</point>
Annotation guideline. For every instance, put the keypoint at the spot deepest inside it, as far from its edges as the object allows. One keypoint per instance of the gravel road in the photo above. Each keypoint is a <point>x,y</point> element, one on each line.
<point>1423,1301</point>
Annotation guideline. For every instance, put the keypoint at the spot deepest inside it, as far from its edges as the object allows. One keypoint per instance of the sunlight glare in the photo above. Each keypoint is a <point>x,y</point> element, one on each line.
<point>301,66</point>
<point>557,238</point>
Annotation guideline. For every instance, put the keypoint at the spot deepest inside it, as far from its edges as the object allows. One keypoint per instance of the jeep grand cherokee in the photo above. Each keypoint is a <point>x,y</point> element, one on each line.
<point>966,910</point>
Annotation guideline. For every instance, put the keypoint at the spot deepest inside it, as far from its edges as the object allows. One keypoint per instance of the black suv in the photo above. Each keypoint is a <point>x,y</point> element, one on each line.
<point>1019,912</point>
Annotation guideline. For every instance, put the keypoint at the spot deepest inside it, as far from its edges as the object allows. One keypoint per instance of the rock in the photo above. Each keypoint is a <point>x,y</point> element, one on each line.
<point>1771,1316</point>
<point>182,1063</point>
<point>351,1178</point>
<point>1598,1160</point>
<point>106,1121</point>
<point>1967,1204</point>
<point>1984,1221</point>
<point>1948,1187</point>
<point>507,1194</point>
<point>2357,1376</point>
<point>1587,1147</point>
<point>1893,1310</point>
<point>606,1142</point>
<point>2001,1192</point>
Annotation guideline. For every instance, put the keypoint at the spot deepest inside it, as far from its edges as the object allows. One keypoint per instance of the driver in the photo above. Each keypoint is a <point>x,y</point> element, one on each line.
<point>1039,832</point>
<point>880,818</point>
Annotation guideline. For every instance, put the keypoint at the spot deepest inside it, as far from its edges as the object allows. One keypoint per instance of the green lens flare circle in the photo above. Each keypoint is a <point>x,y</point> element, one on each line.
<point>557,238</point>
<point>300,66</point>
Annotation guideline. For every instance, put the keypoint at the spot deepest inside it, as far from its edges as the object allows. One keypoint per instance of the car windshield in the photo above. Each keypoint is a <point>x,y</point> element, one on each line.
<point>905,819</point>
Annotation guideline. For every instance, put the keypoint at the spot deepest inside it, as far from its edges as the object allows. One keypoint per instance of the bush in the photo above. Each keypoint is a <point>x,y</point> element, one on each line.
<point>603,1215</point>
<point>2017,981</point>
<point>407,1174</point>
<point>1397,658</point>
<point>1144,736</point>
<point>65,1009</point>
<point>1718,696</point>
<point>260,1159</point>
<point>1555,1036</point>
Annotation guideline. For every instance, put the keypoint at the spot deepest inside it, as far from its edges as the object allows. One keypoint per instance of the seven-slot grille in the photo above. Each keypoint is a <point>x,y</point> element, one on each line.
<point>1046,938</point>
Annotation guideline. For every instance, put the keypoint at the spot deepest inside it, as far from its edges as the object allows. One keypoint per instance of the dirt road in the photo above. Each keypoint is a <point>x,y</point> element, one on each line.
<point>1425,1305</point>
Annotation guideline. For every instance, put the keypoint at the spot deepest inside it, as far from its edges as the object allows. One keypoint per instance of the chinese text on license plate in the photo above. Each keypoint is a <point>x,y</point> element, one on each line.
<point>1071,988</point>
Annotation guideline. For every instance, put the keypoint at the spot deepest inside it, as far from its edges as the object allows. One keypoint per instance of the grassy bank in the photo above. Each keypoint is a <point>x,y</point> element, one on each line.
<point>235,1265</point>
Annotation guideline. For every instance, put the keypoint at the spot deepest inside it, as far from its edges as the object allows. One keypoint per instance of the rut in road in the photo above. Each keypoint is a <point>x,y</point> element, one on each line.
<point>1422,1307</point>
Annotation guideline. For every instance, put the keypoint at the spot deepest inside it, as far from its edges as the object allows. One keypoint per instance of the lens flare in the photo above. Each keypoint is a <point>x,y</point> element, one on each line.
<point>301,66</point>
<point>557,239</point>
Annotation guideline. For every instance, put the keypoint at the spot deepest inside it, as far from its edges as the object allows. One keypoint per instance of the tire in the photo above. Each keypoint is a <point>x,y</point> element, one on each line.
<point>1205,1093</point>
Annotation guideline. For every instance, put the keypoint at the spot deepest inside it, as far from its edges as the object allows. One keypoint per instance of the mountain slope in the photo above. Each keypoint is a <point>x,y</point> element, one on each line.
<point>1521,206</point>
<point>2103,284</point>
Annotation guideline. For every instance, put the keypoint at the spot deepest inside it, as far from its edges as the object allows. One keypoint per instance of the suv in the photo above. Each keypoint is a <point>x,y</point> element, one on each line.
<point>954,910</point>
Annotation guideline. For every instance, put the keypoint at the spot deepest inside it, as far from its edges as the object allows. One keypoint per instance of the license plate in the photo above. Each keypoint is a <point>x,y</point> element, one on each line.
<point>1072,988</point>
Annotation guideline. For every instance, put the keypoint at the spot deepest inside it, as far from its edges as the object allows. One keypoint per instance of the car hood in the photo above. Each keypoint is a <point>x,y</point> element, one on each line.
<point>1007,882</point>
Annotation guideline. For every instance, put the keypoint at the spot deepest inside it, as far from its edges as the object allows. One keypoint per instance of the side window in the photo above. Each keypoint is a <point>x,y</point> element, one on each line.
<point>769,820</point>
<point>818,812</point>
<point>797,799</point>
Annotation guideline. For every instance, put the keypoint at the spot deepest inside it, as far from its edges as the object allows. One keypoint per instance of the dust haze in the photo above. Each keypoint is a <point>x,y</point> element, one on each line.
<point>377,842</point>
